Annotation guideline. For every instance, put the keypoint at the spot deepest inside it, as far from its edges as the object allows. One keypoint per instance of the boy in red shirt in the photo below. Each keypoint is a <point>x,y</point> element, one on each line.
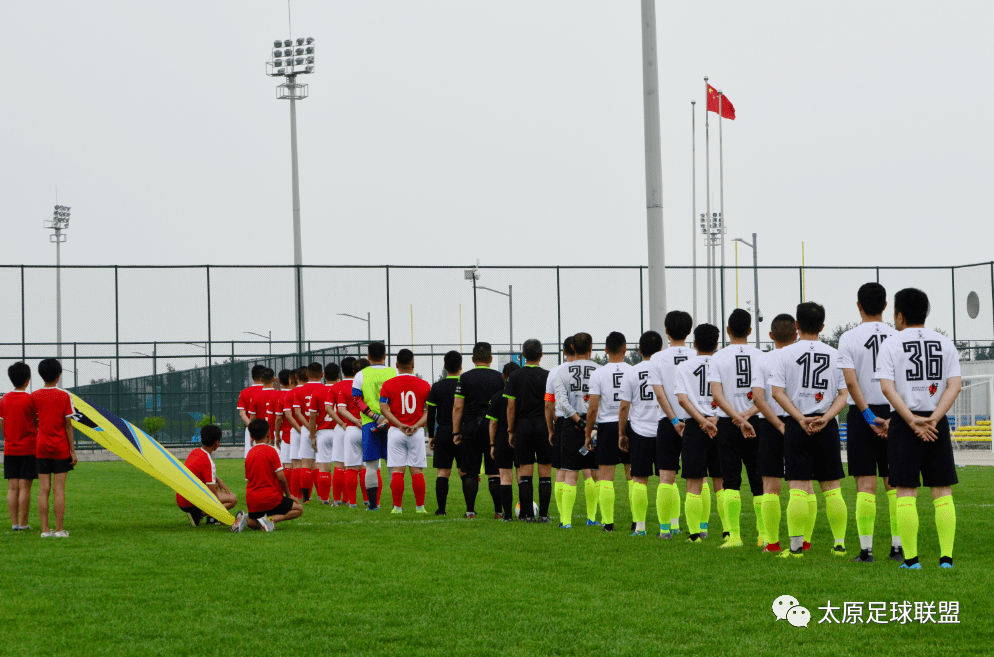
<point>244,397</point>
<point>200,463</point>
<point>19,424</point>
<point>284,403</point>
<point>267,494</point>
<point>403,402</point>
<point>262,405</point>
<point>55,450</point>
<point>322,422</point>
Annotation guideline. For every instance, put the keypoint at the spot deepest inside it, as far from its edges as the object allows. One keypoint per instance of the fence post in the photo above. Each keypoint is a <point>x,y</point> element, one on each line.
<point>388,314</point>
<point>559,320</point>
<point>24,335</point>
<point>721,320</point>
<point>878,274</point>
<point>992,323</point>
<point>234,396</point>
<point>952,278</point>
<point>210,361</point>
<point>641,304</point>
<point>800,282</point>
<point>117,344</point>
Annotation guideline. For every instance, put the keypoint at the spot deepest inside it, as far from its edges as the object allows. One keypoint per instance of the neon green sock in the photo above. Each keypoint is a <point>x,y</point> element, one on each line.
<point>663,507</point>
<point>672,493</point>
<point>640,504</point>
<point>945,524</point>
<point>569,499</point>
<point>892,504</point>
<point>771,517</point>
<point>706,502</point>
<point>757,508</point>
<point>797,512</point>
<point>809,526</point>
<point>838,514</point>
<point>693,510</point>
<point>607,501</point>
<point>733,513</point>
<point>722,510</point>
<point>866,515</point>
<point>907,525</point>
<point>631,482</point>
<point>591,493</point>
<point>559,497</point>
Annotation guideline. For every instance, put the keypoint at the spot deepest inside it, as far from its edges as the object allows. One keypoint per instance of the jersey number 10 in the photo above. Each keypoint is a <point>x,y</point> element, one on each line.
<point>408,402</point>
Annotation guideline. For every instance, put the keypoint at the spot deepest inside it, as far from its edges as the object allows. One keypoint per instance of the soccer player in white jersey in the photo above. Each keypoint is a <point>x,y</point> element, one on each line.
<point>554,416</point>
<point>866,422</point>
<point>809,386</point>
<point>669,434</point>
<point>769,434</point>
<point>638,420</point>
<point>730,377</point>
<point>602,412</point>
<point>919,375</point>
<point>572,390</point>
<point>700,455</point>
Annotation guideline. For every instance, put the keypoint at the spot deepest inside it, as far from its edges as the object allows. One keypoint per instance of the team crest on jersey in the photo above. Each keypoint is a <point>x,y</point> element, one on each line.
<point>819,396</point>
<point>586,398</point>
<point>932,389</point>
<point>749,395</point>
<point>714,404</point>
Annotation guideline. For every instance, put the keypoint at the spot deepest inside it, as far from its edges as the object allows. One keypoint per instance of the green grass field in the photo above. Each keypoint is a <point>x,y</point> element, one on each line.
<point>135,578</point>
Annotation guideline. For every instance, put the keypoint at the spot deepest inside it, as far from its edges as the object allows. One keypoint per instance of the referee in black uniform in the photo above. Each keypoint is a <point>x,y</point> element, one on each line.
<point>444,451</point>
<point>527,431</point>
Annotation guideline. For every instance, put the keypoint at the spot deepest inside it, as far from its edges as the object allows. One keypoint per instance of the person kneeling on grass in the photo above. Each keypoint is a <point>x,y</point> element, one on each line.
<point>200,463</point>
<point>267,495</point>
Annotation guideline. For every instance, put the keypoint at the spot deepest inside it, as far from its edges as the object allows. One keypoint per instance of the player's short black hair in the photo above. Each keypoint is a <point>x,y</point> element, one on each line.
<point>532,349</point>
<point>568,348</point>
<point>359,365</point>
<point>257,371</point>
<point>332,371</point>
<point>509,368</point>
<point>211,435</point>
<point>583,343</point>
<point>706,337</point>
<point>19,373</point>
<point>405,357</point>
<point>810,317</point>
<point>615,342</point>
<point>258,428</point>
<point>348,366</point>
<point>783,328</point>
<point>739,323</point>
<point>873,298</point>
<point>910,302</point>
<point>453,360</point>
<point>678,324</point>
<point>268,375</point>
<point>482,352</point>
<point>650,343</point>
<point>315,369</point>
<point>376,351</point>
<point>301,374</point>
<point>50,370</point>
<point>284,377</point>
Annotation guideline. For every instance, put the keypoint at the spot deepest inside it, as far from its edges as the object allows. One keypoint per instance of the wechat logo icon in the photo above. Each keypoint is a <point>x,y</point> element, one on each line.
<point>786,607</point>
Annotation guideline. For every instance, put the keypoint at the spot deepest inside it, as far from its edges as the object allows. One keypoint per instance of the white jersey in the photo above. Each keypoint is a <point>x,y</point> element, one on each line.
<point>919,362</point>
<point>662,372</point>
<point>692,380</point>
<point>572,386</point>
<point>762,375</point>
<point>733,368</point>
<point>550,387</point>
<point>606,382</point>
<point>644,414</point>
<point>859,350</point>
<point>809,373</point>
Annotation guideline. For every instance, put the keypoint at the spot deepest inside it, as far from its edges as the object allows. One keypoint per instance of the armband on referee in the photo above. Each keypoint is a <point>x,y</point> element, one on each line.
<point>675,421</point>
<point>869,416</point>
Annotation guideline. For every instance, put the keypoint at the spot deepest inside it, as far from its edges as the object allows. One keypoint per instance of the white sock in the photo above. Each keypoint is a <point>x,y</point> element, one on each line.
<point>371,480</point>
<point>866,542</point>
<point>640,526</point>
<point>675,523</point>
<point>895,541</point>
<point>796,543</point>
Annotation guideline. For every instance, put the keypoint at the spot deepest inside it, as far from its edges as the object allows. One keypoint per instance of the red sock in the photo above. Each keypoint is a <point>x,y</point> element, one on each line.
<point>295,482</point>
<point>418,484</point>
<point>365,495</point>
<point>351,481</point>
<point>324,485</point>
<point>379,484</point>
<point>337,484</point>
<point>397,488</point>
<point>314,475</point>
<point>306,479</point>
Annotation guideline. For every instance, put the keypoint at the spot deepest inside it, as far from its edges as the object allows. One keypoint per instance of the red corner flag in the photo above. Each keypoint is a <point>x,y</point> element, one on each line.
<point>727,109</point>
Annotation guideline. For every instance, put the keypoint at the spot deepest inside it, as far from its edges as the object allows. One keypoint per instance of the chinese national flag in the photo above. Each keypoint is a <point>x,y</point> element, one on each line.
<point>727,109</point>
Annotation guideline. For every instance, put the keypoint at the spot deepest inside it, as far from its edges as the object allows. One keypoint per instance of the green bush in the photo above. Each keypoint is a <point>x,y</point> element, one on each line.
<point>153,425</point>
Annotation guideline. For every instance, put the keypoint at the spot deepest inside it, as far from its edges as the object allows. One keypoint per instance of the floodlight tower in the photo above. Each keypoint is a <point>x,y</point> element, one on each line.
<point>288,61</point>
<point>58,223</point>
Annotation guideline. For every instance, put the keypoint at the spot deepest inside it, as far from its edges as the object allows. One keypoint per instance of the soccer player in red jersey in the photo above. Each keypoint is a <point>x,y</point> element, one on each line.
<point>403,402</point>
<point>321,423</point>
<point>267,494</point>
<point>306,450</point>
<point>349,411</point>
<point>19,423</point>
<point>55,452</point>
<point>288,382</point>
<point>339,431</point>
<point>263,403</point>
<point>244,397</point>
<point>200,463</point>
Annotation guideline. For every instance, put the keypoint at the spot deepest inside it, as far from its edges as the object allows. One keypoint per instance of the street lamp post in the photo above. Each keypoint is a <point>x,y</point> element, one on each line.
<point>207,362</point>
<point>110,369</point>
<point>58,223</point>
<point>155,377</point>
<point>755,280</point>
<point>369,323</point>
<point>510,311</point>
<point>268,337</point>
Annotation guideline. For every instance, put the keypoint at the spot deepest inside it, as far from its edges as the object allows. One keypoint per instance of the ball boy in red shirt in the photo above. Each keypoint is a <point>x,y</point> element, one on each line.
<point>19,424</point>
<point>55,450</point>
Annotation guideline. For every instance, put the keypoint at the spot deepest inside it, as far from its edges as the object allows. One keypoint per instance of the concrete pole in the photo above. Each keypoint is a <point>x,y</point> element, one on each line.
<point>297,251</point>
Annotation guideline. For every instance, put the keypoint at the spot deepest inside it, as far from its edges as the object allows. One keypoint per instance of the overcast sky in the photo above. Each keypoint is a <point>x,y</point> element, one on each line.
<point>438,131</point>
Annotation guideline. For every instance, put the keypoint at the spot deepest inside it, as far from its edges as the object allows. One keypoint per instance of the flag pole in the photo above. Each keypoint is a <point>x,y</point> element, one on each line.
<point>707,187</point>
<point>721,210</point>
<point>693,195</point>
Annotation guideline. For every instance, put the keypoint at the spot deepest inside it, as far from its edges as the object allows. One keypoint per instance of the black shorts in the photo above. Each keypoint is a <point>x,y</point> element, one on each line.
<point>445,451</point>
<point>669,444</point>
<point>503,453</point>
<point>476,447</point>
<point>735,451</point>
<point>607,451</point>
<point>866,451</point>
<point>700,453</point>
<point>642,451</point>
<point>812,458</point>
<point>278,510</point>
<point>556,435</point>
<point>53,466</point>
<point>197,514</point>
<point>531,441</point>
<point>909,455</point>
<point>571,440</point>
<point>769,448</point>
<point>20,467</point>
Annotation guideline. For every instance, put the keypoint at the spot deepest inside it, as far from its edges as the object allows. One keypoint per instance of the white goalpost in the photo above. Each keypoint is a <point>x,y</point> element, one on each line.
<point>970,416</point>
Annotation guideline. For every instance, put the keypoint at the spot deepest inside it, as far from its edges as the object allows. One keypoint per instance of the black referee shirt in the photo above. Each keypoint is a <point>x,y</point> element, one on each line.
<point>527,388</point>
<point>476,387</point>
<point>442,396</point>
<point>497,410</point>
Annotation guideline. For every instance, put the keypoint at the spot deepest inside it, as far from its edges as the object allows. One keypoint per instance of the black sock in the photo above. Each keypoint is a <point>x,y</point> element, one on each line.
<point>943,560</point>
<point>470,487</point>
<point>525,497</point>
<point>495,493</point>
<point>507,500</point>
<point>441,492</point>
<point>544,495</point>
<point>911,562</point>
<point>306,493</point>
<point>372,497</point>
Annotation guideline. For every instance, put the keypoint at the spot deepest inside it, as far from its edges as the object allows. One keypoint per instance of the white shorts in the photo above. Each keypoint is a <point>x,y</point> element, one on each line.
<point>294,444</point>
<point>285,452</point>
<point>248,442</point>
<point>338,445</point>
<point>306,449</point>
<point>326,445</point>
<point>353,447</point>
<point>406,451</point>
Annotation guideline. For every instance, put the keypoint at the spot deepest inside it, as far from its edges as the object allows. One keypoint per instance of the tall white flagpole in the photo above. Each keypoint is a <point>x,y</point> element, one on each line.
<point>707,187</point>
<point>721,200</point>
<point>693,194</point>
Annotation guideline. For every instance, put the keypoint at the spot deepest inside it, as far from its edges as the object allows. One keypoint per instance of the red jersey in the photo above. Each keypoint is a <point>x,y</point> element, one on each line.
<point>53,407</point>
<point>262,489</point>
<point>263,405</point>
<point>318,406</point>
<point>284,402</point>
<point>200,463</point>
<point>407,395</point>
<point>245,396</point>
<point>20,423</point>
<point>302,396</point>
<point>341,397</point>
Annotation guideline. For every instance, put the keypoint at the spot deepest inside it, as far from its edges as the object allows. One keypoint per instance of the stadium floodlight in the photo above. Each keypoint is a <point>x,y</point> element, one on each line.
<point>277,62</point>
<point>300,41</point>
<point>309,60</point>
<point>309,68</point>
<point>309,50</point>
<point>299,51</point>
<point>280,71</point>
<point>310,40</point>
<point>58,223</point>
<point>287,43</point>
<point>288,52</point>
<point>299,61</point>
<point>277,43</point>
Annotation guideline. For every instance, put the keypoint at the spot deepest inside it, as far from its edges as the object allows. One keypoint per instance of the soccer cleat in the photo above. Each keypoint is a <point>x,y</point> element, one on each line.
<point>365,503</point>
<point>353,506</point>
<point>609,527</point>
<point>326,502</point>
<point>372,508</point>
<point>212,521</point>
<point>397,510</point>
<point>665,535</point>
<point>787,554</point>
<point>633,526</point>
<point>562,526</point>
<point>864,556</point>
<point>725,535</point>
<point>946,564</point>
<point>839,551</point>
<point>806,546</point>
<point>771,548</point>
<point>267,524</point>
<point>592,523</point>
<point>695,538</point>
<point>638,532</point>
<point>194,519</point>
<point>677,530</point>
<point>421,510</point>
<point>498,516</point>
<point>48,534</point>
<point>914,566</point>
<point>761,543</point>
<point>241,519</point>
<point>62,534</point>
<point>470,515</point>
<point>896,553</point>
<point>544,520</point>
<point>703,534</point>
<point>731,543</point>
<point>24,528</point>
<point>528,519</point>
<point>439,512</point>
